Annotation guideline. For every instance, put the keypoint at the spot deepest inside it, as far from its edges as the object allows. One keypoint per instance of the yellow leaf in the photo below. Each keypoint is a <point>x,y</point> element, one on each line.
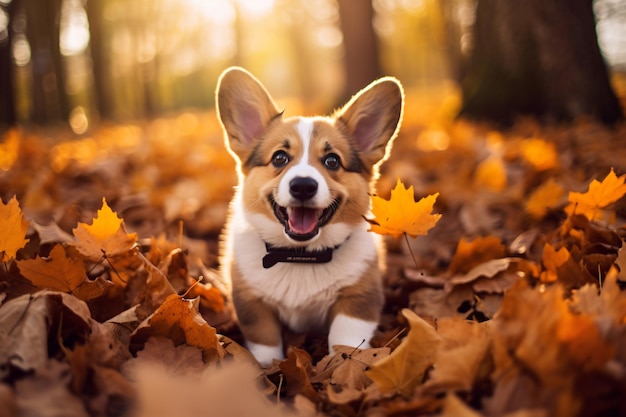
<point>491,174</point>
<point>401,214</point>
<point>545,197</point>
<point>404,369</point>
<point>106,236</point>
<point>599,195</point>
<point>58,272</point>
<point>539,153</point>
<point>13,229</point>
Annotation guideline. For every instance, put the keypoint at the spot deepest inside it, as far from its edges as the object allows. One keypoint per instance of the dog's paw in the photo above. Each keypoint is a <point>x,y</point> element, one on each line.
<point>265,354</point>
<point>350,331</point>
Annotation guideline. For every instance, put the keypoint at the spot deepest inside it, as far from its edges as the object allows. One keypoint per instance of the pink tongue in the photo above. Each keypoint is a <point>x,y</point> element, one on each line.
<point>303,220</point>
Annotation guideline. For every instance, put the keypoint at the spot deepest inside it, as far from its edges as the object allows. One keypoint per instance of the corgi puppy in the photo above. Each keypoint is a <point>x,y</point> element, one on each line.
<point>296,249</point>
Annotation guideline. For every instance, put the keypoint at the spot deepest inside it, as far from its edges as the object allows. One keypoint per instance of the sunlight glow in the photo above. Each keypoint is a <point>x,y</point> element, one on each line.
<point>75,36</point>
<point>78,120</point>
<point>255,8</point>
<point>21,50</point>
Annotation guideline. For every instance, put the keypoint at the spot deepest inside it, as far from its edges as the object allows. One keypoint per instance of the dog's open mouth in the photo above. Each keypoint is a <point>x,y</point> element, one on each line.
<point>303,223</point>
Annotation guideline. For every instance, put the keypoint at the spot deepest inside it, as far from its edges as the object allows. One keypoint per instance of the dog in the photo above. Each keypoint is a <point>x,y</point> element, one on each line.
<point>296,248</point>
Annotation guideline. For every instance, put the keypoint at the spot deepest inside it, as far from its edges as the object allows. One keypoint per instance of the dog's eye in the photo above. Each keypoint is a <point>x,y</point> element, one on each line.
<point>280,159</point>
<point>332,162</point>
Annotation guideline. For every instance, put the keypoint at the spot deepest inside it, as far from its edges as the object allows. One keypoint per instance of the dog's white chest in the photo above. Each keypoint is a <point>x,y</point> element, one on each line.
<point>302,293</point>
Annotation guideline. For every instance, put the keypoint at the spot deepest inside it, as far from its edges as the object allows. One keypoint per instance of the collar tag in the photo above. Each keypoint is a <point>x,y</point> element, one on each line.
<point>275,255</point>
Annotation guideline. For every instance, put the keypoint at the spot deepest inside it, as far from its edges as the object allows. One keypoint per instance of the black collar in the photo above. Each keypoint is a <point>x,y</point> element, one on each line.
<point>296,255</point>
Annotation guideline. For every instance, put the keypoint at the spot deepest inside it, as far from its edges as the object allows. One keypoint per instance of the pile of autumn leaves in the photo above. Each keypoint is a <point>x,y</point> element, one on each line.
<point>556,347</point>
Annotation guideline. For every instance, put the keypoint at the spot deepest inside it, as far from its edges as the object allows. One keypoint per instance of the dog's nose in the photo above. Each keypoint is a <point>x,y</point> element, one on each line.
<point>302,188</point>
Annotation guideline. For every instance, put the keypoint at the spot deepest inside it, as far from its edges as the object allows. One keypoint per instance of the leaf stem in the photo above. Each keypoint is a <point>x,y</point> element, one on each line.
<point>408,245</point>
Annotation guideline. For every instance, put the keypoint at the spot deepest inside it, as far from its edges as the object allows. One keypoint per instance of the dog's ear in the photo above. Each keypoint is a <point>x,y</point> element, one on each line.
<point>244,108</point>
<point>372,118</point>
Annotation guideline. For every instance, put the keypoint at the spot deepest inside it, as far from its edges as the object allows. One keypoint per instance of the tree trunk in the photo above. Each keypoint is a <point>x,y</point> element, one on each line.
<point>537,58</point>
<point>43,31</point>
<point>97,49</point>
<point>360,45</point>
<point>8,114</point>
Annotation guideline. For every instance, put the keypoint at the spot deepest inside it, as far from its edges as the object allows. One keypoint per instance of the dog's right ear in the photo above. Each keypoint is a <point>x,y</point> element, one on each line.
<point>244,108</point>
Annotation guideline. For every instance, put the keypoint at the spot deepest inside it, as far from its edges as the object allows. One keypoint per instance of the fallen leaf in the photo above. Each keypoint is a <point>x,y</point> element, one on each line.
<point>47,393</point>
<point>552,261</point>
<point>540,154</point>
<point>401,214</point>
<point>491,174</point>
<point>621,262</point>
<point>404,369</point>
<point>461,355</point>
<point>28,324</point>
<point>547,196</point>
<point>599,195</point>
<point>106,236</point>
<point>346,367</point>
<point>296,369</point>
<point>61,273</point>
<point>159,352</point>
<point>231,389</point>
<point>13,229</point>
<point>179,320</point>
<point>470,254</point>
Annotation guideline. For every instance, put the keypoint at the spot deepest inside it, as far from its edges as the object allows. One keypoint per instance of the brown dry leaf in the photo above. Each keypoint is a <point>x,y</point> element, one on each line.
<point>404,369</point>
<point>460,357</point>
<point>454,407</point>
<point>179,320</point>
<point>61,273</point>
<point>27,323</point>
<point>488,269</point>
<point>106,236</point>
<point>47,393</point>
<point>346,367</point>
<point>297,369</point>
<point>229,390</point>
<point>470,254</point>
<point>621,262</point>
<point>13,229</point>
<point>51,233</point>
<point>160,353</point>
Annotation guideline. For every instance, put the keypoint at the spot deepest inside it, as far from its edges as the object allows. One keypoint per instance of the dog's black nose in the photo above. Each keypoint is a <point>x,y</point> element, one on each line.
<point>302,188</point>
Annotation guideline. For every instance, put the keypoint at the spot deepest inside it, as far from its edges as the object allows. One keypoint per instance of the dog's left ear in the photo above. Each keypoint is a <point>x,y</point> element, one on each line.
<point>372,118</point>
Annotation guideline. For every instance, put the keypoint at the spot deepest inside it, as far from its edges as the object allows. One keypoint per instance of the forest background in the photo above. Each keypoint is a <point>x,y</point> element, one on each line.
<point>514,116</point>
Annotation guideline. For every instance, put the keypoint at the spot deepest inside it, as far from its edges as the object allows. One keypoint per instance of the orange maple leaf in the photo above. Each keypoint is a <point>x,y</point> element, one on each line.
<point>599,195</point>
<point>106,236</point>
<point>13,229</point>
<point>58,272</point>
<point>178,319</point>
<point>552,261</point>
<point>402,214</point>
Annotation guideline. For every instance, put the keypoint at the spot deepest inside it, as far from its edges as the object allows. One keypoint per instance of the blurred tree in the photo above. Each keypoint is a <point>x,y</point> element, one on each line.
<point>539,58</point>
<point>362,65</point>
<point>49,100</point>
<point>99,60</point>
<point>8,116</point>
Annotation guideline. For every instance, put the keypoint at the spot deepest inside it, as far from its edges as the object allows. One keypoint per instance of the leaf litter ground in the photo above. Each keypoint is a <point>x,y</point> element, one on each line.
<point>110,304</point>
